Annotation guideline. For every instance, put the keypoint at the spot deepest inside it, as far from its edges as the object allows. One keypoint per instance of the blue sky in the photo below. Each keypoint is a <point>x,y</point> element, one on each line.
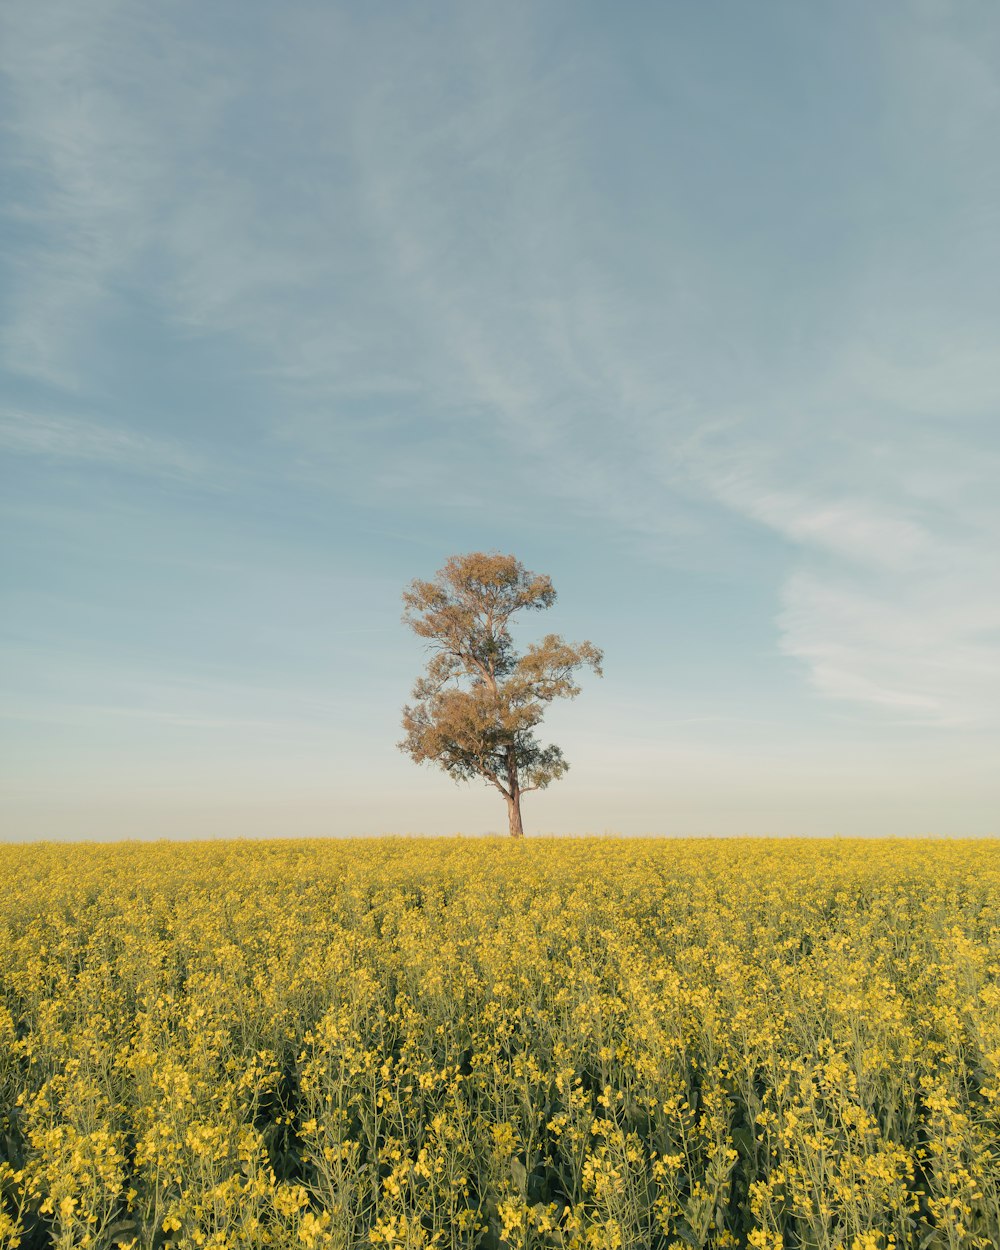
<point>693,307</point>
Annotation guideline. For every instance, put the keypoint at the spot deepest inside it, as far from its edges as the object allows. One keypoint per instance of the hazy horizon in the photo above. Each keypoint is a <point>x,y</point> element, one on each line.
<point>693,308</point>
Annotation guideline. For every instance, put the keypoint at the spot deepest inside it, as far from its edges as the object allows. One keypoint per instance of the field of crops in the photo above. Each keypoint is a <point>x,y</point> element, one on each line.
<point>458,1043</point>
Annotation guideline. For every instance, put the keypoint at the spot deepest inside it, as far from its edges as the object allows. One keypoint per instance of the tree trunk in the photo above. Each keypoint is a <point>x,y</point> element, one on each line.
<point>514,791</point>
<point>514,814</point>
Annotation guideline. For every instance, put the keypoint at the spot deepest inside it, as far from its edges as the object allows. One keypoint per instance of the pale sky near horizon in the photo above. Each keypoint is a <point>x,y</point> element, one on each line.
<point>693,307</point>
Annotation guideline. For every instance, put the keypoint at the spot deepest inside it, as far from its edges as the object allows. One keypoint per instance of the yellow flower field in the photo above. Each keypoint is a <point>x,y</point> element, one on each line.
<point>461,1043</point>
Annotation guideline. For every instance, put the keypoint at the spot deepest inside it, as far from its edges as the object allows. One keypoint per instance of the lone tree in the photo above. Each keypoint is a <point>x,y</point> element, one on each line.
<point>479,702</point>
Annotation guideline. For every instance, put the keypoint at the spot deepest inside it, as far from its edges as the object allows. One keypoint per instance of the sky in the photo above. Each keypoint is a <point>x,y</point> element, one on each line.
<point>693,307</point>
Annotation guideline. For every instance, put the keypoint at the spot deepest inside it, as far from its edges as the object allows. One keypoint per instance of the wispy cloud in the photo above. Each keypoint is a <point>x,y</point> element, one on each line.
<point>892,597</point>
<point>450,263</point>
<point>112,120</point>
<point>62,438</point>
<point>114,691</point>
<point>923,652</point>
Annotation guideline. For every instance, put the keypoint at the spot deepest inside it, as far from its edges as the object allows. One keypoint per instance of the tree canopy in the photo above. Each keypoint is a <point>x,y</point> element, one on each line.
<point>478,703</point>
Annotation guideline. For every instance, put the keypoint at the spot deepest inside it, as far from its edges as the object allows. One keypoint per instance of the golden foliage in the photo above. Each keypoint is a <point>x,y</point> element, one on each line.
<point>479,702</point>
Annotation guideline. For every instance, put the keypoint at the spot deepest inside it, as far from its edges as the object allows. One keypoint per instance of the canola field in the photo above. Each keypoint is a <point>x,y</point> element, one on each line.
<point>591,1043</point>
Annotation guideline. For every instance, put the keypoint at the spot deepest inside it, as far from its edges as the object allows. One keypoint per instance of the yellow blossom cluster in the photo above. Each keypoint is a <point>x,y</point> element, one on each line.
<point>586,1044</point>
